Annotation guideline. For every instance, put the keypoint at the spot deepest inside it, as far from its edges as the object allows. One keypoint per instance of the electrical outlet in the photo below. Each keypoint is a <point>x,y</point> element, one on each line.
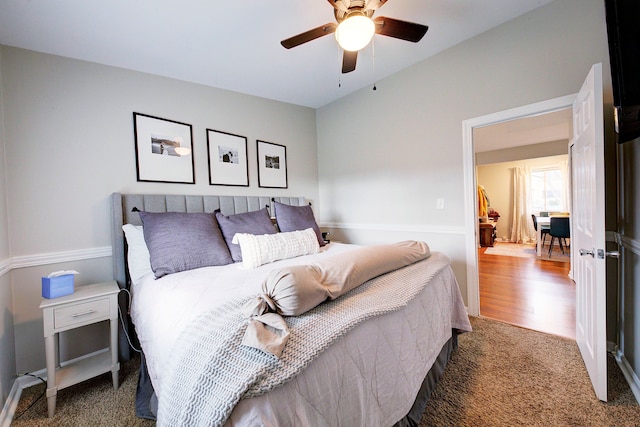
<point>439,203</point>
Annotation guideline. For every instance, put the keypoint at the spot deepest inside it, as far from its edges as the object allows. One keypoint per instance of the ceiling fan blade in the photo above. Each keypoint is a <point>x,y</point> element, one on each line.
<point>349,61</point>
<point>398,29</point>
<point>307,36</point>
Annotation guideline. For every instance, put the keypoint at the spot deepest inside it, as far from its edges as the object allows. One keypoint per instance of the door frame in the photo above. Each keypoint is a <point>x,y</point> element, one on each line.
<point>470,185</point>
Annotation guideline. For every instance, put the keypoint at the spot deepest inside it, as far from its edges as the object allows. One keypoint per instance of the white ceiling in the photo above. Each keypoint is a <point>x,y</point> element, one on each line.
<point>549,127</point>
<point>235,45</point>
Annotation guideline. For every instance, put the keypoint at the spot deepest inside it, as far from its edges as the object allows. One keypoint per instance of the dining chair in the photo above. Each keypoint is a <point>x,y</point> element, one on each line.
<point>559,229</point>
<point>544,229</point>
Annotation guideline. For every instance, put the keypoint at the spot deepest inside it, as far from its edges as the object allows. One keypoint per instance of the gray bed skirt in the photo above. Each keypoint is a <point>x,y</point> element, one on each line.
<point>147,402</point>
<point>412,419</point>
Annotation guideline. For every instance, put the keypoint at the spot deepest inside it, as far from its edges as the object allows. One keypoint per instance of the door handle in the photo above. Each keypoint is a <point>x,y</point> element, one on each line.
<point>612,254</point>
<point>591,252</point>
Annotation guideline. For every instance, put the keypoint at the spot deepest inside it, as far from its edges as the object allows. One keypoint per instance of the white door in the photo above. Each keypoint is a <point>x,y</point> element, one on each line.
<point>588,228</point>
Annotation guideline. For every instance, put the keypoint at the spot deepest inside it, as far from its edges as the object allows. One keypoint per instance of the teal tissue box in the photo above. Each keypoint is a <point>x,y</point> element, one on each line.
<point>54,287</point>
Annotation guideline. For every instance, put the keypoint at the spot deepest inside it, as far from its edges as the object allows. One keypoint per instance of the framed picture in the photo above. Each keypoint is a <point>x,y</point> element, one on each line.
<point>164,150</point>
<point>228,163</point>
<point>272,165</point>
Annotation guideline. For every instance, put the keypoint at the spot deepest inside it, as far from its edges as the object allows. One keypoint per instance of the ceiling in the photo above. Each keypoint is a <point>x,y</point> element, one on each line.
<point>548,127</point>
<point>235,45</point>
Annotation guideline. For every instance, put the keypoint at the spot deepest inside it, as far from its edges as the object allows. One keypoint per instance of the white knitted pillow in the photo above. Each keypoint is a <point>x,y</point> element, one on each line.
<point>266,248</point>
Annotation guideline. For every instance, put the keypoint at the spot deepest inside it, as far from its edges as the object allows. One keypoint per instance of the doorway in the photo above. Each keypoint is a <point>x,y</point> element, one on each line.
<point>469,157</point>
<point>518,285</point>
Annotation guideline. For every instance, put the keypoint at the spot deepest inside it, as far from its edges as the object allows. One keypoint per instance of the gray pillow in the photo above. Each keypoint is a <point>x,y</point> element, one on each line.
<point>256,222</point>
<point>294,218</point>
<point>183,241</point>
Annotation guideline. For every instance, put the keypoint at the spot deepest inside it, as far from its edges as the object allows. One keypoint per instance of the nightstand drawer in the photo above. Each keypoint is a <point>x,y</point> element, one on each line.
<point>81,313</point>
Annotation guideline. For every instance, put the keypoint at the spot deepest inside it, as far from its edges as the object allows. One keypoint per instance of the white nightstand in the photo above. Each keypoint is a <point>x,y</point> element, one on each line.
<point>87,305</point>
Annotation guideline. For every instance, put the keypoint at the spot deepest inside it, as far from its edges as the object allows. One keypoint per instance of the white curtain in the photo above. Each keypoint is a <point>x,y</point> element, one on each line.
<point>522,230</point>
<point>566,185</point>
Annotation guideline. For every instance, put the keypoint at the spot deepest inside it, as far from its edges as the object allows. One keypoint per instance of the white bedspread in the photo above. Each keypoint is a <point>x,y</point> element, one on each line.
<point>342,386</point>
<point>162,308</point>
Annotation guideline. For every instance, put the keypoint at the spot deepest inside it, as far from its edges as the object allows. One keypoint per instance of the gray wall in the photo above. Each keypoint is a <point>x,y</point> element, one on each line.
<point>543,149</point>
<point>7,346</point>
<point>69,144</point>
<point>386,156</point>
<point>374,163</point>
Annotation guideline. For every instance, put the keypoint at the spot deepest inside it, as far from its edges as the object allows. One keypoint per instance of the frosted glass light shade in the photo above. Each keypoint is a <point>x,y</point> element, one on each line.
<point>355,32</point>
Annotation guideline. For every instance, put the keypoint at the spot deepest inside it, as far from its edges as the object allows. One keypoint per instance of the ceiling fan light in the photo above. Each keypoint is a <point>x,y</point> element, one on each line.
<point>355,32</point>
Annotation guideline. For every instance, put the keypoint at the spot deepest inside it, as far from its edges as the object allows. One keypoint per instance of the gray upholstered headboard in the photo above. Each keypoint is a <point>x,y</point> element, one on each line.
<point>122,213</point>
<point>122,205</point>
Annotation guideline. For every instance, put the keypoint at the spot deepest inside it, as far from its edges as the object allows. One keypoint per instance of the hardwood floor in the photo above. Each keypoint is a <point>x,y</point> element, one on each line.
<point>527,292</point>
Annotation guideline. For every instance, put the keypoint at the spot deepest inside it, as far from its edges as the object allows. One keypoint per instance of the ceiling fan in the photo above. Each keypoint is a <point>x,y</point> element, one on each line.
<point>355,28</point>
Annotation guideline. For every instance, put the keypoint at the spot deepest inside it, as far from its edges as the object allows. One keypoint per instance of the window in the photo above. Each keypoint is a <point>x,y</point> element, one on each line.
<point>547,188</point>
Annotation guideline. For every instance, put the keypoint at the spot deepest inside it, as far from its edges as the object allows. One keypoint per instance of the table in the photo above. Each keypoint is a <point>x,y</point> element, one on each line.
<point>541,220</point>
<point>87,305</point>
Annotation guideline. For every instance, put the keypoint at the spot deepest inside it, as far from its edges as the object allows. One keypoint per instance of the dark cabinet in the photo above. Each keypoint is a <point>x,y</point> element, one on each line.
<point>487,234</point>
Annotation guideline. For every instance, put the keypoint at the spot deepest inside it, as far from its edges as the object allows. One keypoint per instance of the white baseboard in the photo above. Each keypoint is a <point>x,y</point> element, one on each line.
<point>629,375</point>
<point>26,381</point>
<point>10,405</point>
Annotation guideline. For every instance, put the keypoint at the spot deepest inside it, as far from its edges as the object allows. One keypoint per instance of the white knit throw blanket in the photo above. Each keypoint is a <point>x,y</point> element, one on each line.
<point>210,370</point>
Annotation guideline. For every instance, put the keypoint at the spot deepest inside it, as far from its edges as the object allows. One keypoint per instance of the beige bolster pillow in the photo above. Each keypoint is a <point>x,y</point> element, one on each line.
<point>294,290</point>
<point>291,291</point>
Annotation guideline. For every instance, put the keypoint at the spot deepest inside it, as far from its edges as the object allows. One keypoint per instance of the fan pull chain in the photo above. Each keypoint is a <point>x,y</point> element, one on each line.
<point>339,70</point>
<point>373,52</point>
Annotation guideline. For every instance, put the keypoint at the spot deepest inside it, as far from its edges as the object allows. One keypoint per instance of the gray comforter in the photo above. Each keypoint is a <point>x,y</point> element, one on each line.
<point>211,370</point>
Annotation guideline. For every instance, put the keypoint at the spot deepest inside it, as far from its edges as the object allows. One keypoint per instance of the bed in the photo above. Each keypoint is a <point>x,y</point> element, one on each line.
<point>375,370</point>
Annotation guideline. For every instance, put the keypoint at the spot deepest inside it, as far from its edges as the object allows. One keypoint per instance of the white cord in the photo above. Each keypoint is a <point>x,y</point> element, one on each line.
<point>124,328</point>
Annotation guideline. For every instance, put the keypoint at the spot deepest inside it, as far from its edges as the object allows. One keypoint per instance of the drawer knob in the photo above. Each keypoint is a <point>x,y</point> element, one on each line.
<point>83,313</point>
